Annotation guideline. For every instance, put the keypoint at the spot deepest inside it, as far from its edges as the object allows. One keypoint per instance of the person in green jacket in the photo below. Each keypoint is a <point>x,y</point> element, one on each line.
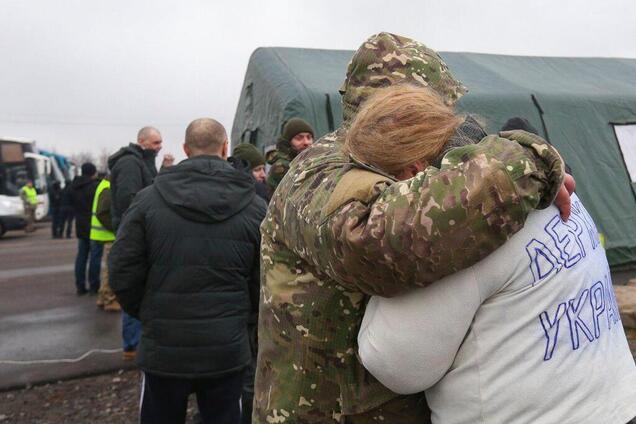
<point>29,197</point>
<point>296,137</point>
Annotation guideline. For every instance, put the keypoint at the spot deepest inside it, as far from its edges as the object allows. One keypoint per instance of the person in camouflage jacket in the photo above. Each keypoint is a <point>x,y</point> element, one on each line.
<point>297,136</point>
<point>338,231</point>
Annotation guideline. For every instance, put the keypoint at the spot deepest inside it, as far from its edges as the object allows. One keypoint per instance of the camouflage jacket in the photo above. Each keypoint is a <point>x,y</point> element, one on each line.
<point>336,233</point>
<point>279,162</point>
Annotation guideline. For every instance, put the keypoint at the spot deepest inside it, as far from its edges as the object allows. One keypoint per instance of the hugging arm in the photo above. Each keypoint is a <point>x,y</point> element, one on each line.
<point>443,220</point>
<point>409,342</point>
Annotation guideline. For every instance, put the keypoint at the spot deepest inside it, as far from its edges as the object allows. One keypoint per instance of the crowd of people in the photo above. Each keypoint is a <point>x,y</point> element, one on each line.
<point>208,210</point>
<point>396,270</point>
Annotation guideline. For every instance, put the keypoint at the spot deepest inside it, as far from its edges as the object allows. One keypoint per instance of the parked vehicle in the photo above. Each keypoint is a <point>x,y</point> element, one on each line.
<point>62,168</point>
<point>19,163</point>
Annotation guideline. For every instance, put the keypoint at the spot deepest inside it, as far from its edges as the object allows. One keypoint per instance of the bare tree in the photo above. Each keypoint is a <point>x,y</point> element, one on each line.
<point>82,157</point>
<point>102,161</point>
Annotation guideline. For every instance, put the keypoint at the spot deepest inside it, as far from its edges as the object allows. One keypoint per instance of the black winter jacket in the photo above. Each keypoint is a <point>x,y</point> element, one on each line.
<point>243,165</point>
<point>66,197</point>
<point>131,170</point>
<point>82,192</point>
<point>55,197</point>
<point>186,262</point>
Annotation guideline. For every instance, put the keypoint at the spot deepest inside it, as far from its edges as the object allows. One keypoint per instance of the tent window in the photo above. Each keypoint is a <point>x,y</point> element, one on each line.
<point>254,137</point>
<point>626,136</point>
<point>249,136</point>
<point>249,102</point>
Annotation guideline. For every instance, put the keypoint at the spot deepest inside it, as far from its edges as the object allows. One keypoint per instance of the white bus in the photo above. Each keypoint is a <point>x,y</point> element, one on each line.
<point>20,163</point>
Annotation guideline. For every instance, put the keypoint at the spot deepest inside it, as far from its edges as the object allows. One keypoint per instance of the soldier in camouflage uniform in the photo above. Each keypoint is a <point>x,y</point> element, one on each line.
<point>287,149</point>
<point>338,231</point>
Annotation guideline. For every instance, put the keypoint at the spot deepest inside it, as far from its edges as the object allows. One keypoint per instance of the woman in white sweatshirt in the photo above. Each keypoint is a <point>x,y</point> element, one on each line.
<point>531,334</point>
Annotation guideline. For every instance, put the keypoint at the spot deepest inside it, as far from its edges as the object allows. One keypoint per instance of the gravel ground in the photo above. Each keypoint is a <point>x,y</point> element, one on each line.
<point>108,399</point>
<point>105,399</point>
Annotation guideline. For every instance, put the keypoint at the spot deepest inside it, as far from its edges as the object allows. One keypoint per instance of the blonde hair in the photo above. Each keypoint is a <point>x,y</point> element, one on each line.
<point>399,125</point>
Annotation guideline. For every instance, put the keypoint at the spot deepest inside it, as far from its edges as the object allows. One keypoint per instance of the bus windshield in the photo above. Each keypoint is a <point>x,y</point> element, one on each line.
<point>18,165</point>
<point>16,175</point>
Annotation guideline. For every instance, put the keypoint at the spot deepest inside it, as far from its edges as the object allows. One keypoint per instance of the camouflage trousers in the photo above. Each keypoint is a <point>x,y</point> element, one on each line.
<point>29,215</point>
<point>411,409</point>
<point>105,297</point>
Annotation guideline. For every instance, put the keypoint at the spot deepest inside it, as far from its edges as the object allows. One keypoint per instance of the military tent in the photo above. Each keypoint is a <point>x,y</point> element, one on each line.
<point>586,107</point>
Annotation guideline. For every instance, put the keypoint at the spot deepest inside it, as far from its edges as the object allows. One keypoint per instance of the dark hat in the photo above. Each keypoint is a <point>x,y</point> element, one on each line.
<point>293,127</point>
<point>249,153</point>
<point>518,123</point>
<point>88,169</point>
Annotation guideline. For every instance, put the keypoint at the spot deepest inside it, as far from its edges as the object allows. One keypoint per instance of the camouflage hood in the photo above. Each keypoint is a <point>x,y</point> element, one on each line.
<point>385,59</point>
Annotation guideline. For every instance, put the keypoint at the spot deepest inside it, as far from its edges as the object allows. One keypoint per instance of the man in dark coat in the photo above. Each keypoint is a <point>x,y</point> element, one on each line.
<point>55,199</point>
<point>186,262</point>
<point>132,168</point>
<point>66,208</point>
<point>82,192</point>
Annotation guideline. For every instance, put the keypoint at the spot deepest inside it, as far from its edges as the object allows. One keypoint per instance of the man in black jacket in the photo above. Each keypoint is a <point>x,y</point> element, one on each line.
<point>82,192</point>
<point>66,208</point>
<point>186,262</point>
<point>55,198</point>
<point>132,168</point>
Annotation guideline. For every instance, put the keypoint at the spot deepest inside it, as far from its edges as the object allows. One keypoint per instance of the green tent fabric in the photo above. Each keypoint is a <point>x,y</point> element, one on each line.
<point>573,102</point>
<point>284,83</point>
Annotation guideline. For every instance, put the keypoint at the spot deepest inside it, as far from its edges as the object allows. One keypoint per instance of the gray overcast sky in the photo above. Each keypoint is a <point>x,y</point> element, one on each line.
<point>86,75</point>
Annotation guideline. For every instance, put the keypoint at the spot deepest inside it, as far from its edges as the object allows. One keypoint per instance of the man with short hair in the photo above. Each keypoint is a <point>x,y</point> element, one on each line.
<point>132,169</point>
<point>186,262</point>
<point>296,137</point>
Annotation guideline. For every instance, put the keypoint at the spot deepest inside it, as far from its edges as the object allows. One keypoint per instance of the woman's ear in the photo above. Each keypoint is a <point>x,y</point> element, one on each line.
<point>415,168</point>
<point>418,166</point>
<point>411,170</point>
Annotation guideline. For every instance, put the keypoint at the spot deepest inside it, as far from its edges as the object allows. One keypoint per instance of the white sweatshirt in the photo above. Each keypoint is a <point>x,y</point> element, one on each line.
<point>531,334</point>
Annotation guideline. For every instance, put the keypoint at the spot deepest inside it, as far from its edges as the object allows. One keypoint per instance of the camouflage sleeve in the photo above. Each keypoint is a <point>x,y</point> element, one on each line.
<point>442,220</point>
<point>277,172</point>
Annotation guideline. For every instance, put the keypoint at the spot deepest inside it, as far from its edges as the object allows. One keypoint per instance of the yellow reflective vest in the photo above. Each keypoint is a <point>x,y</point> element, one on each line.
<point>98,232</point>
<point>30,195</point>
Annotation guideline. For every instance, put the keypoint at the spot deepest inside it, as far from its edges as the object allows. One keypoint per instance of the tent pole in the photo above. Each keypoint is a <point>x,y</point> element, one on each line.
<point>330,123</point>
<point>540,109</point>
